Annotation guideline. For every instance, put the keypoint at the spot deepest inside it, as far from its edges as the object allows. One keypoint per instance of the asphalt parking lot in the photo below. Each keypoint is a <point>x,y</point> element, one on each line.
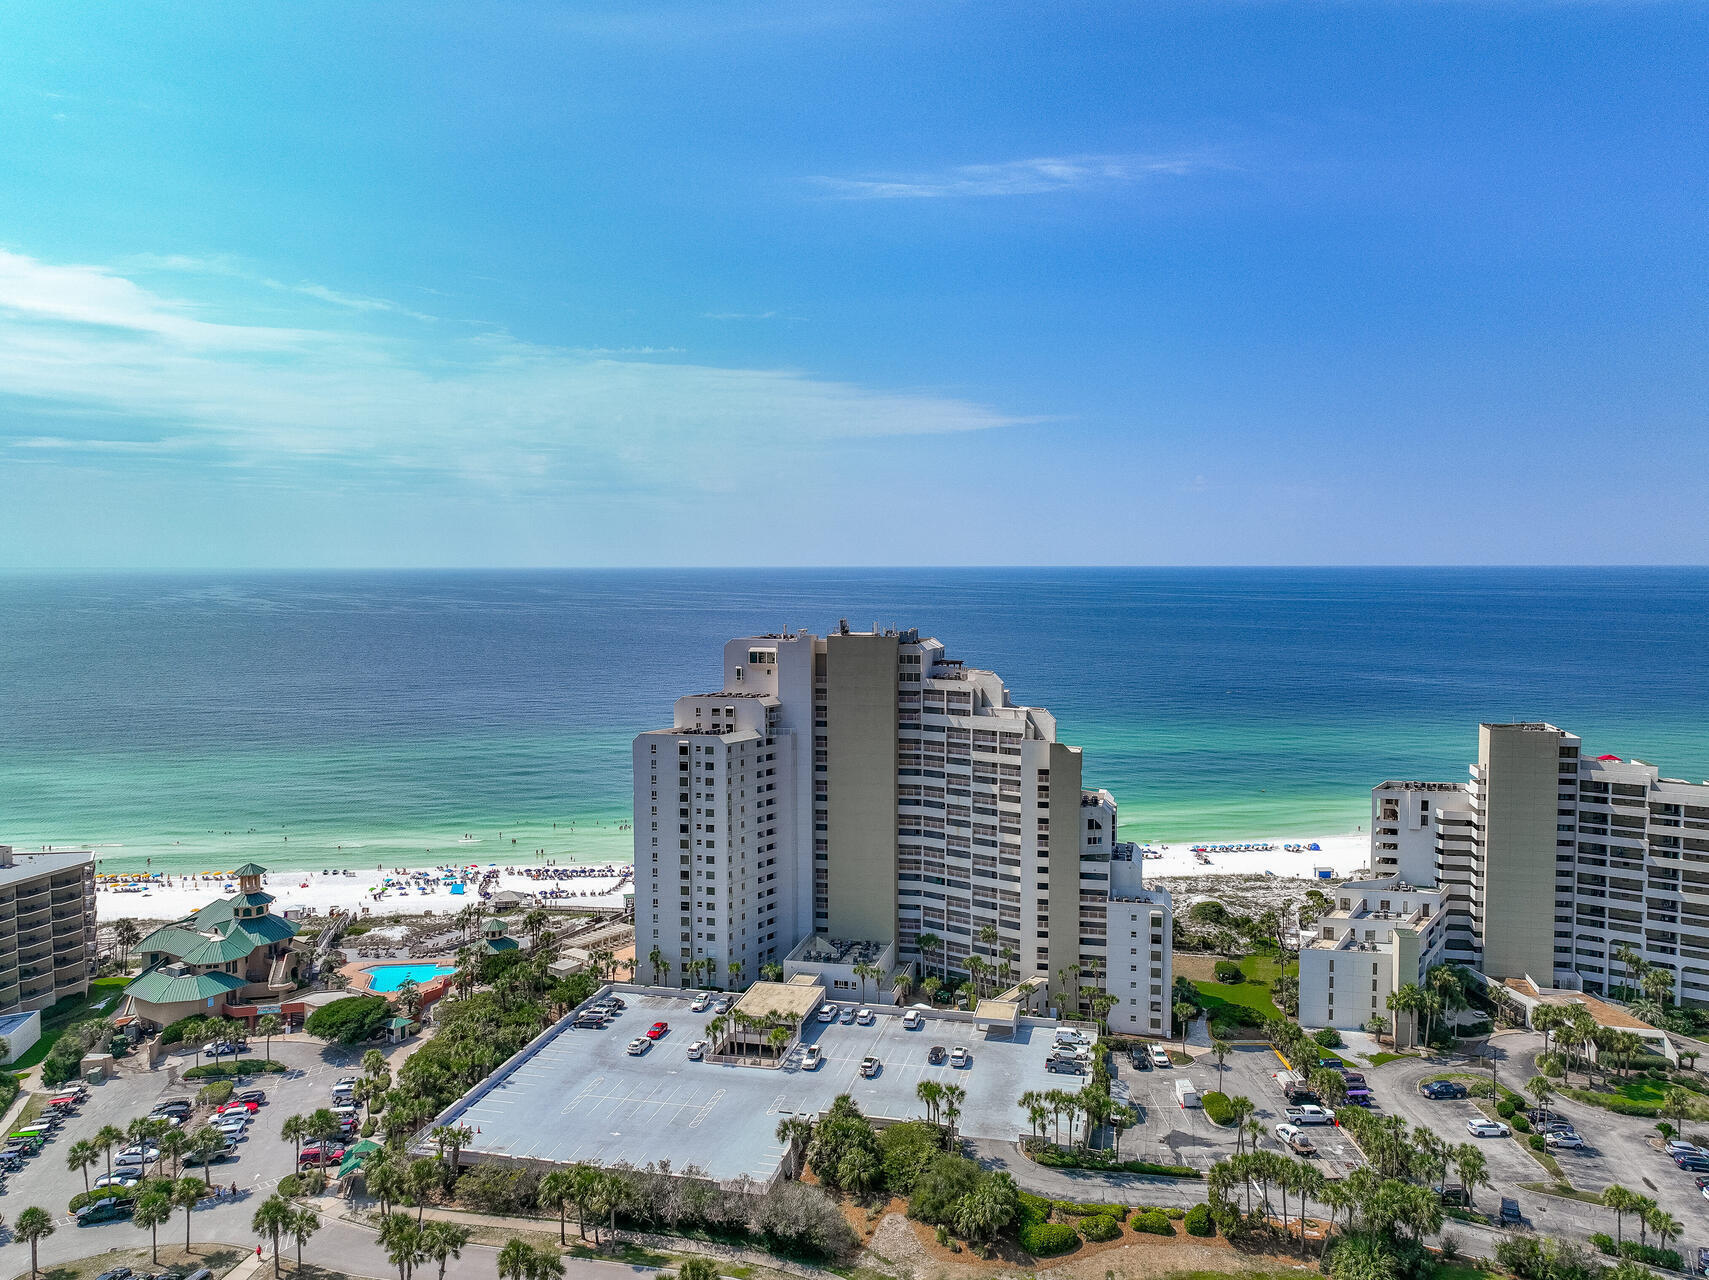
<point>1168,1133</point>
<point>579,1096</point>
<point>263,1157</point>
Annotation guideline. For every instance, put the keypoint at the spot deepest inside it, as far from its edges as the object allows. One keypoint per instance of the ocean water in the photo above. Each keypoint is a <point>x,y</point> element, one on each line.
<point>367,719</point>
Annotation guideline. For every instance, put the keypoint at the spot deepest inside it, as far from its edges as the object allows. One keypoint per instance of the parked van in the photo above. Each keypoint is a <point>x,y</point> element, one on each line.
<point>1185,1093</point>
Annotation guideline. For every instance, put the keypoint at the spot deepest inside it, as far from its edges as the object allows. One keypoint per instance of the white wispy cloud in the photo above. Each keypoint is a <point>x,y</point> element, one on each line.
<point>1039,175</point>
<point>85,347</point>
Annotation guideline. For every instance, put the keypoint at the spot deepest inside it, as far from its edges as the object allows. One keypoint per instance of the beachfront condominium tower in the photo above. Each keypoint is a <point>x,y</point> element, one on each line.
<point>1551,863</point>
<point>47,927</point>
<point>867,786</point>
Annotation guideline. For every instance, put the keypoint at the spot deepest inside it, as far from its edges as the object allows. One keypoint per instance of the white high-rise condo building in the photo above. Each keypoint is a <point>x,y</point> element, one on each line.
<point>867,786</point>
<point>1548,861</point>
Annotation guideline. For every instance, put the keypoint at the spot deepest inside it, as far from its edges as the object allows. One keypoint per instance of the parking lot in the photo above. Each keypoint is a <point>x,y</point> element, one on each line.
<point>579,1096</point>
<point>1170,1134</point>
<point>262,1157</point>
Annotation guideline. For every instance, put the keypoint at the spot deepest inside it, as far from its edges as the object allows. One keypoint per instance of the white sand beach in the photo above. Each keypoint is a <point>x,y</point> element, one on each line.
<point>602,886</point>
<point>1287,856</point>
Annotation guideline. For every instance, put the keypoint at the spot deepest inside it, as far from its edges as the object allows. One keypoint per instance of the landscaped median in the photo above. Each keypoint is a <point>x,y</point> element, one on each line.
<point>1042,1153</point>
<point>1048,1228</point>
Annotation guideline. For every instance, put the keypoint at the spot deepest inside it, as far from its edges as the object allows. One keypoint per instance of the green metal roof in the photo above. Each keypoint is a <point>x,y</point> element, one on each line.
<point>234,946</point>
<point>250,869</point>
<point>156,986</point>
<point>499,944</point>
<point>223,909</point>
<point>174,939</point>
<point>263,929</point>
<point>401,1024</point>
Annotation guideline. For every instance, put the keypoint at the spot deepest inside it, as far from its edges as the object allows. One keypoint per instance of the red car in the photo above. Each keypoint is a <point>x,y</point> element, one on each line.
<point>322,1157</point>
<point>229,1107</point>
<point>657,1029</point>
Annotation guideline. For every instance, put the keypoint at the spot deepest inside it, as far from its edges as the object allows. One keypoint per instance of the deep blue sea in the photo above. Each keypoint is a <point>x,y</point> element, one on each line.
<point>327,719</point>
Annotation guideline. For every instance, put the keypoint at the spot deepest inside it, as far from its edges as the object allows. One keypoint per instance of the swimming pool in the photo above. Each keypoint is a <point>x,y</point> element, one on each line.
<point>389,977</point>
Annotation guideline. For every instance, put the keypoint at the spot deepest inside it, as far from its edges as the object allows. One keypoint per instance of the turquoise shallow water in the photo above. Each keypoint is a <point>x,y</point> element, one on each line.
<point>361,720</point>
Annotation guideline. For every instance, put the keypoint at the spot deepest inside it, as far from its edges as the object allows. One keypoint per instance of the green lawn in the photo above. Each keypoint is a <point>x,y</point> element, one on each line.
<point>1245,1003</point>
<point>1377,1059</point>
<point>102,992</point>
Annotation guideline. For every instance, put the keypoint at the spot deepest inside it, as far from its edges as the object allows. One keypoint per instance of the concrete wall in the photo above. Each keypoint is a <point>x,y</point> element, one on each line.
<point>1063,865</point>
<point>1521,776</point>
<point>860,773</point>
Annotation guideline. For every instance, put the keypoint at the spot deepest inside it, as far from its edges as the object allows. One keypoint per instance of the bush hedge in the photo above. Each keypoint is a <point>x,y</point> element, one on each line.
<point>1650,1254</point>
<point>1505,1108</point>
<point>1053,1159</point>
<point>1098,1227</point>
<point>215,1094</point>
<point>1327,1037</point>
<point>1217,1107</point>
<point>226,1070</point>
<point>1537,1142</point>
<point>1076,1209</point>
<point>1522,1122</point>
<point>1152,1222</point>
<point>1199,1221</point>
<point>1037,1235</point>
<point>1229,971</point>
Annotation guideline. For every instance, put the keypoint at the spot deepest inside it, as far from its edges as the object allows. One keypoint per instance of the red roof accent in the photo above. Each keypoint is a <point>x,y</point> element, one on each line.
<point>1609,759</point>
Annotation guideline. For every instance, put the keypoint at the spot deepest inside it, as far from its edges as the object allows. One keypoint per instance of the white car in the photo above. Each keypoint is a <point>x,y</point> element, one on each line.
<point>638,1046</point>
<point>869,1067</point>
<point>701,1003</point>
<point>1159,1055</point>
<point>1571,1141</point>
<point>1309,1114</point>
<point>811,1057</point>
<point>234,1127</point>
<point>1487,1129</point>
<point>913,1020</point>
<point>697,1050</point>
<point>1680,1147</point>
<point>136,1155</point>
<point>960,1057</point>
<point>123,1181</point>
<point>864,1017</point>
<point>827,1013</point>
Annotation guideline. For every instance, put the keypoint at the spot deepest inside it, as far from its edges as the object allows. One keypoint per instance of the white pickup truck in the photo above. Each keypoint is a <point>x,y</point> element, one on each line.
<point>1309,1115</point>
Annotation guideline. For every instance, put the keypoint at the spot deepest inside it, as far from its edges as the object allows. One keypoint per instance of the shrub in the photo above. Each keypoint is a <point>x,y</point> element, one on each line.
<point>1076,1210</point>
<point>350,1020</point>
<point>215,1094</point>
<point>1199,1221</point>
<point>1328,1037</point>
<point>940,1186</point>
<point>1047,1239</point>
<point>1153,1223</point>
<point>1228,971</point>
<point>906,1150</point>
<point>1505,1108</point>
<point>493,1188</point>
<point>1604,1242</point>
<point>291,1185</point>
<point>1099,1226</point>
<point>1653,1255</point>
<point>1217,1107</point>
<point>1521,1122</point>
<point>1536,1141</point>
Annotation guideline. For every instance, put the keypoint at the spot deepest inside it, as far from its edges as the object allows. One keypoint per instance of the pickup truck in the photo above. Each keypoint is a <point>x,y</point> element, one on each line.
<point>1296,1140</point>
<point>1309,1115</point>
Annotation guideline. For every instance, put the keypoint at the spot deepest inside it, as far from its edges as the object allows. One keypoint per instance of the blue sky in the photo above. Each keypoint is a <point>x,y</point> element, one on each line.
<point>590,284</point>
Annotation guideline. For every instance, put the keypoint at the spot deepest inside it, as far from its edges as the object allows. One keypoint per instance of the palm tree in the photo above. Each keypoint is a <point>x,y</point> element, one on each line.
<point>443,1242</point>
<point>1221,1048</point>
<point>1622,1200</point>
<point>125,936</point>
<point>173,1143</point>
<point>106,1138</point>
<point>421,1177</point>
<point>1676,1102</point>
<point>930,1093</point>
<point>1184,1016</point>
<point>514,1259</point>
<point>186,1195</point>
<point>555,1191</point>
<point>547,1264</point>
<point>401,1238</point>
<point>272,1219</point>
<point>148,1213</point>
<point>33,1226</point>
<point>304,1223</point>
<point>205,1143</point>
<point>1643,1207</point>
<point>1542,1091</point>
<point>954,1095</point>
<point>1471,1164</point>
<point>1240,1109</point>
<point>928,942</point>
<point>267,1026</point>
<point>81,1155</point>
<point>295,1129</point>
<point>584,1188</point>
<point>1631,962</point>
<point>1664,1224</point>
<point>534,924</point>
